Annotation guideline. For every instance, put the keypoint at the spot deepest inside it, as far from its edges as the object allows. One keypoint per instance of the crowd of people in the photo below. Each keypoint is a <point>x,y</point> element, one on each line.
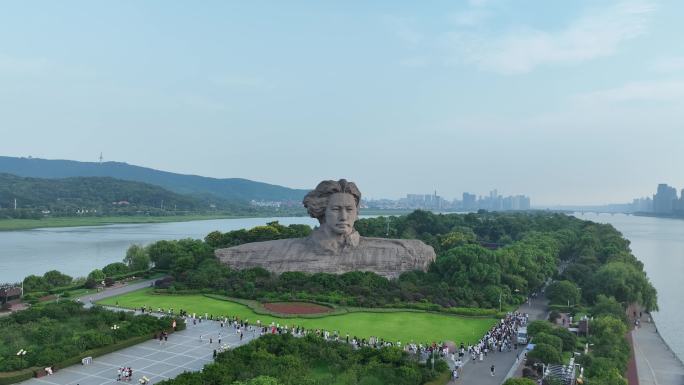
<point>124,374</point>
<point>500,338</point>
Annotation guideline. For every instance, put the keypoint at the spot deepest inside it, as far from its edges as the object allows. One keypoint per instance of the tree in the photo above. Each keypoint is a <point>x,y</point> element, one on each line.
<point>545,353</point>
<point>612,377</point>
<point>563,293</point>
<point>214,239</point>
<point>608,337</point>
<point>163,253</point>
<point>96,275</point>
<point>95,279</point>
<point>608,306</point>
<point>519,381</point>
<point>536,327</point>
<point>56,279</point>
<point>261,380</point>
<point>625,282</point>
<point>137,258</point>
<point>544,338</point>
<point>114,269</point>
<point>33,283</point>
<point>569,338</point>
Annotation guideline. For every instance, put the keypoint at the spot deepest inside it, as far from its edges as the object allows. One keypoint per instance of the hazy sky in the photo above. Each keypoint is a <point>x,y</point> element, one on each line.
<point>566,101</point>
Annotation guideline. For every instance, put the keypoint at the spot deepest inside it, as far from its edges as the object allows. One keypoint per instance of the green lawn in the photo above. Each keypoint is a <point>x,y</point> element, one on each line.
<point>403,326</point>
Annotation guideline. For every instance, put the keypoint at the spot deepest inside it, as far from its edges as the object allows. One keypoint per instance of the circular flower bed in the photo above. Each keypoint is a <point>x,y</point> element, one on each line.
<point>296,308</point>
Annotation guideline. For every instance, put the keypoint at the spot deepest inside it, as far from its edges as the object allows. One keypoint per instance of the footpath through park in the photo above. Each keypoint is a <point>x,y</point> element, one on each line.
<point>656,363</point>
<point>476,372</point>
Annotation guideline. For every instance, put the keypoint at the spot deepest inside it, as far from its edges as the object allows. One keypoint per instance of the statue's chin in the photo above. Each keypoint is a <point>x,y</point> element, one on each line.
<point>340,231</point>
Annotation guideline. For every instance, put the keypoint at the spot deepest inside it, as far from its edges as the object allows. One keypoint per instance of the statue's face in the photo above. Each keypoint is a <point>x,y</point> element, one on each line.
<point>341,213</point>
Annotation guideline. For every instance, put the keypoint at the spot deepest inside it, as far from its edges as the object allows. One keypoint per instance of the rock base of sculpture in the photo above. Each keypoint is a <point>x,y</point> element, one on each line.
<point>386,257</point>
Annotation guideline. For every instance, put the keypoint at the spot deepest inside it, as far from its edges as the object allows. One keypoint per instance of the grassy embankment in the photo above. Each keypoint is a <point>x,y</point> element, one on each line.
<point>420,327</point>
<point>25,224</point>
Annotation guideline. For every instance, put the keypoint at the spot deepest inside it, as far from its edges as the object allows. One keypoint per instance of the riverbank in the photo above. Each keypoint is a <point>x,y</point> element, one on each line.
<point>656,215</point>
<point>656,363</point>
<point>27,224</point>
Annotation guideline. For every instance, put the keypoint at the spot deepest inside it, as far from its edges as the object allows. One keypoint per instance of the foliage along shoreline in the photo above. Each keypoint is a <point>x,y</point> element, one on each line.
<point>29,224</point>
<point>14,224</point>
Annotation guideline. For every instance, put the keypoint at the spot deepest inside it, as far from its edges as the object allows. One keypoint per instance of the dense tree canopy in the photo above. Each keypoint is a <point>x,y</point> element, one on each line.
<point>562,293</point>
<point>481,259</point>
<point>116,268</point>
<point>137,258</point>
<point>287,360</point>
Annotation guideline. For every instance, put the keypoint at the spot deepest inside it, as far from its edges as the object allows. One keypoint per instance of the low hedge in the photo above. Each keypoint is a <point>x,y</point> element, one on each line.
<point>61,289</point>
<point>139,273</point>
<point>28,373</point>
<point>18,376</point>
<point>81,285</point>
<point>475,312</point>
<point>103,350</point>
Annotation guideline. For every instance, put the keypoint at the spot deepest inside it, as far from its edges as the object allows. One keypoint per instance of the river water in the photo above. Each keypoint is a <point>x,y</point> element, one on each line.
<point>78,250</point>
<point>657,242</point>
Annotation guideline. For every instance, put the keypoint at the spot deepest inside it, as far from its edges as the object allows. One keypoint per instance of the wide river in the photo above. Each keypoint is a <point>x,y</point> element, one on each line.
<point>657,242</point>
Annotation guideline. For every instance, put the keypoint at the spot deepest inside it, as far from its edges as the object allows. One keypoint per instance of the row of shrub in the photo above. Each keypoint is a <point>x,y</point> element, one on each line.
<point>286,360</point>
<point>55,332</point>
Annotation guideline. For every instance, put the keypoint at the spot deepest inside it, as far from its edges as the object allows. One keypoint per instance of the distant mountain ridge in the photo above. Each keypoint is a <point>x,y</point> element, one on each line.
<point>96,195</point>
<point>231,189</point>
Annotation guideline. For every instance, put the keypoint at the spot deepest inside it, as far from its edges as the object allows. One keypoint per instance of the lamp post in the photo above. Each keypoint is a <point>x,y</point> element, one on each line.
<point>433,358</point>
<point>500,294</point>
<point>21,353</point>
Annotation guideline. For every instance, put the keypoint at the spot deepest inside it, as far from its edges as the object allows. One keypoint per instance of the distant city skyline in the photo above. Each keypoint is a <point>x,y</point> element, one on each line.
<point>469,202</point>
<point>570,102</point>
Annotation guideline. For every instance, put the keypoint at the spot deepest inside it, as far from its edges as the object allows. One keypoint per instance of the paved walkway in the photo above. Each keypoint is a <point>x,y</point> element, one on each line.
<point>478,373</point>
<point>186,350</point>
<point>656,363</point>
<point>89,299</point>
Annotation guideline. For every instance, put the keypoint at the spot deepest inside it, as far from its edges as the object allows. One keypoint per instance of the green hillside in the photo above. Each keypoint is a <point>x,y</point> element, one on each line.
<point>230,189</point>
<point>96,196</point>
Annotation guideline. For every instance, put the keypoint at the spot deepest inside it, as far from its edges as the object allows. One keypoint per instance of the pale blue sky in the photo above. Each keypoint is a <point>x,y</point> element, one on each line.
<point>567,101</point>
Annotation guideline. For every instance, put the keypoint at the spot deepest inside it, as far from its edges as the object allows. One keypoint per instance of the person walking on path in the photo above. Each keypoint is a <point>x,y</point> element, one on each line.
<point>492,370</point>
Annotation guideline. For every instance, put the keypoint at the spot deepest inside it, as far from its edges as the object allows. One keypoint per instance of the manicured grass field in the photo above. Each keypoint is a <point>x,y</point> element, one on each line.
<point>419,327</point>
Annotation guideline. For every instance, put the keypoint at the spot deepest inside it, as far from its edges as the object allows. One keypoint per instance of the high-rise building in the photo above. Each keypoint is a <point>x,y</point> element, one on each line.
<point>469,201</point>
<point>642,205</point>
<point>665,199</point>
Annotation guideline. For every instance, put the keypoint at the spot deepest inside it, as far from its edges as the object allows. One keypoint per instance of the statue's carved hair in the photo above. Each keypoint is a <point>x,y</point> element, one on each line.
<point>316,201</point>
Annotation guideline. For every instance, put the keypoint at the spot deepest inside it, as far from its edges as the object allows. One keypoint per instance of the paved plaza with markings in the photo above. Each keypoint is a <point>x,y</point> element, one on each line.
<point>184,351</point>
